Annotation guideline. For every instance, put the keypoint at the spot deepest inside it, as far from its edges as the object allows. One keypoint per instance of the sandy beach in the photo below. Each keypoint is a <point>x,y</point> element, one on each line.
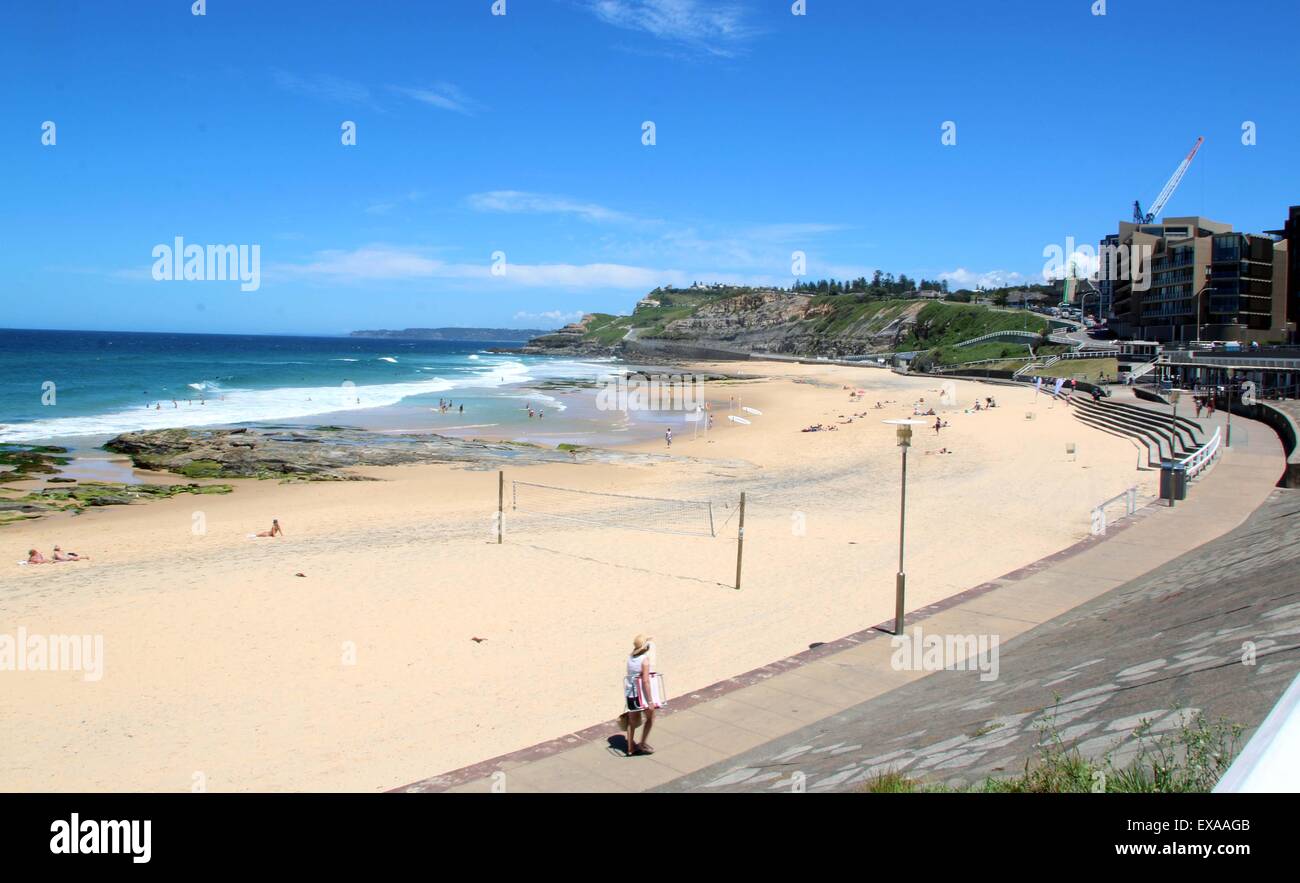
<point>224,667</point>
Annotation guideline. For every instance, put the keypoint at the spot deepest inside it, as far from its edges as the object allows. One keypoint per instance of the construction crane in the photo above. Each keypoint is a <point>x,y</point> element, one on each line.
<point>1170,186</point>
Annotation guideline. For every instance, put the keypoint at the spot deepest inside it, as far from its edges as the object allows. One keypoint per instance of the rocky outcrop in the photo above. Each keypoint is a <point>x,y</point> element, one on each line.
<point>326,453</point>
<point>735,325</point>
<point>80,496</point>
<point>793,324</point>
<point>571,340</point>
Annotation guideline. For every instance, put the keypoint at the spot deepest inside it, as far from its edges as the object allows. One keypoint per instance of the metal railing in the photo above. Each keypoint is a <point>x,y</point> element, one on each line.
<point>961,366</point>
<point>1128,497</point>
<point>1090,354</point>
<point>1196,462</point>
<point>1003,335</point>
<point>1144,369</point>
<point>1267,763</point>
<point>1243,361</point>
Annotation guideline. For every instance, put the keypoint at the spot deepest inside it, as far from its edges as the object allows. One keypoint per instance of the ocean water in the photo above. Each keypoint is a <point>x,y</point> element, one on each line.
<point>79,388</point>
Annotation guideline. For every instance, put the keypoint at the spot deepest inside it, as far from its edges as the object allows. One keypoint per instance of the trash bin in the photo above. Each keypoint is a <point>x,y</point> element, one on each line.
<point>1173,480</point>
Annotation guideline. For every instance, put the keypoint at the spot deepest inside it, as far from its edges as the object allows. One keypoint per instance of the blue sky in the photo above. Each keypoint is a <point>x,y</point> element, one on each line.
<point>522,134</point>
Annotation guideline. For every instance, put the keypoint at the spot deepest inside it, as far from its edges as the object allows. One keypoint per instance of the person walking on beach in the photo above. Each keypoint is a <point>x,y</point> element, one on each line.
<point>638,696</point>
<point>938,424</point>
<point>668,436</point>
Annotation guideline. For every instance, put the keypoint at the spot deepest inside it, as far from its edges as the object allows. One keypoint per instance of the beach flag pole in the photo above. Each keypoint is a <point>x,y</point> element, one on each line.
<point>740,540</point>
<point>501,502</point>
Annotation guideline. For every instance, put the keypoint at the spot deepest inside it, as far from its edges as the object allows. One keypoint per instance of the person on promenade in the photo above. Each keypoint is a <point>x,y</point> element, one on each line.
<point>275,530</point>
<point>638,696</point>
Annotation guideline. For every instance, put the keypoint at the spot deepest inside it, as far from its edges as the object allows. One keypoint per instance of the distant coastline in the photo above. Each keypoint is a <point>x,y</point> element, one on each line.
<point>485,335</point>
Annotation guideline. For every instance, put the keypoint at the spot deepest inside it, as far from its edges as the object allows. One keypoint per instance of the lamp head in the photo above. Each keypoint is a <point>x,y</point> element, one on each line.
<point>905,430</point>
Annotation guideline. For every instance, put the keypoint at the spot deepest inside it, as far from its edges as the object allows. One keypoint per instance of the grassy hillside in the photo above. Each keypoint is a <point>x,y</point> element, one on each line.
<point>834,321</point>
<point>944,324</point>
<point>650,320</point>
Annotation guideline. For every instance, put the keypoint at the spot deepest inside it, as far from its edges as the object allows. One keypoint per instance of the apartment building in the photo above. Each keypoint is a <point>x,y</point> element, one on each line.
<point>1192,278</point>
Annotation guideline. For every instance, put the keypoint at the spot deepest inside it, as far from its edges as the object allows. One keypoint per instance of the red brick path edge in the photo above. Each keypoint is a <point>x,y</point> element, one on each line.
<point>602,731</point>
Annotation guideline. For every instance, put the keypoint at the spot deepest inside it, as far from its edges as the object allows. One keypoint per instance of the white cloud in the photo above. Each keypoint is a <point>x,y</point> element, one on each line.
<point>520,202</point>
<point>388,262</point>
<point>963,278</point>
<point>590,276</point>
<point>367,262</point>
<point>839,271</point>
<point>324,86</point>
<point>441,95</point>
<point>712,26</point>
<point>550,317</point>
<point>383,208</point>
<point>788,232</point>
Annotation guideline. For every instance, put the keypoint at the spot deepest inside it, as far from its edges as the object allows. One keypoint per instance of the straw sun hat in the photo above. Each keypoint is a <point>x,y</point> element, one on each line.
<point>640,644</point>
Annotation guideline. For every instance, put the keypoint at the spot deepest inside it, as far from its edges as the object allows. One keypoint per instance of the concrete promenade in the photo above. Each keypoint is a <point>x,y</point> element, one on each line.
<point>717,732</point>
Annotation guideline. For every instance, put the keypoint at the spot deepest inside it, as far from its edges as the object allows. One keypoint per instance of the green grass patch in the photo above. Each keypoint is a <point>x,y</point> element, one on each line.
<point>1084,369</point>
<point>1189,760</point>
<point>957,355</point>
<point>944,324</point>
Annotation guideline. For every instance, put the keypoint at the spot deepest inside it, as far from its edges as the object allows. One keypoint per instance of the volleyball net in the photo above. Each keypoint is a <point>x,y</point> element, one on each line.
<point>692,518</point>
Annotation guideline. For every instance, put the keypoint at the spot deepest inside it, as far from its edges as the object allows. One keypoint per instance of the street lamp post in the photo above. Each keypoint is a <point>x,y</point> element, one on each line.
<point>1204,289</point>
<point>900,580</point>
<point>1228,434</point>
<point>1173,435</point>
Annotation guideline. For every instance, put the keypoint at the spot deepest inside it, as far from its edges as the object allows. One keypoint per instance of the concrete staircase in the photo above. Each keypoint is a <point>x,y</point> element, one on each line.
<point>1163,438</point>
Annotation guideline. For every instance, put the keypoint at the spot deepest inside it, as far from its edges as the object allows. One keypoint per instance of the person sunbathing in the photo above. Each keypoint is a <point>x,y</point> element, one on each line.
<point>35,557</point>
<point>275,530</point>
<point>60,555</point>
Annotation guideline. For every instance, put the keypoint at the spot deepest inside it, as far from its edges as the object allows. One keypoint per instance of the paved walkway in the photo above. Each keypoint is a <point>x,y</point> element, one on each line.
<point>1214,633</point>
<point>739,715</point>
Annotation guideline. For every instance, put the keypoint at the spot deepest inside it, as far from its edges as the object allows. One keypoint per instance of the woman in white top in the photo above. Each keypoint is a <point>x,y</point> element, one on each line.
<point>636,691</point>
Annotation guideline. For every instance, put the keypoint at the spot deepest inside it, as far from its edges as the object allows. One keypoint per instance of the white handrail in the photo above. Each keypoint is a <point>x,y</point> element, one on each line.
<point>1144,369</point>
<point>1196,462</point>
<point>1129,497</point>
<point>1268,762</point>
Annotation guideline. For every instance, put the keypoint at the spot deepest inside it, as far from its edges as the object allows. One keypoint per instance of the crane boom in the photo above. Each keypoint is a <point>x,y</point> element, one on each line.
<point>1170,186</point>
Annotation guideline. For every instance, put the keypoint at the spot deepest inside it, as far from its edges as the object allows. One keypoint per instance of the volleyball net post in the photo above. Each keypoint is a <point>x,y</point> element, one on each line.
<point>740,540</point>
<point>501,502</point>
